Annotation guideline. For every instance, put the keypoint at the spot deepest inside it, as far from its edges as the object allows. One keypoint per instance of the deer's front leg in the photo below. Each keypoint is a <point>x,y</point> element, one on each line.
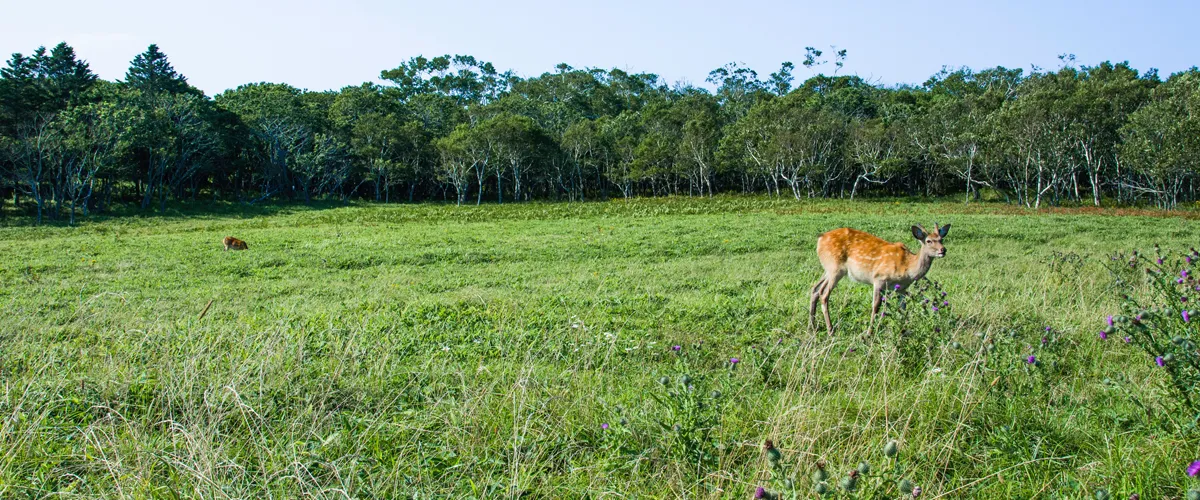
<point>876,299</point>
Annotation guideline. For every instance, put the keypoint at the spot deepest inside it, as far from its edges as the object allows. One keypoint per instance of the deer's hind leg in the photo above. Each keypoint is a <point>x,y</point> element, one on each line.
<point>814,297</point>
<point>831,282</point>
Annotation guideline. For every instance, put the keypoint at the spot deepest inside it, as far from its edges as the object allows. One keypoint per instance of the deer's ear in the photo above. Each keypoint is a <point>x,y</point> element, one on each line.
<point>944,230</point>
<point>919,232</point>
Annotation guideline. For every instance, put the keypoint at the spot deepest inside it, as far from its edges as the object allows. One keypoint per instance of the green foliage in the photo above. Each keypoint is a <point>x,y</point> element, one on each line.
<point>1093,135</point>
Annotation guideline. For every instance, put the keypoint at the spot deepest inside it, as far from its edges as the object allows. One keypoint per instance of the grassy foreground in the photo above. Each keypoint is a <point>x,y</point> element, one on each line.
<point>437,351</point>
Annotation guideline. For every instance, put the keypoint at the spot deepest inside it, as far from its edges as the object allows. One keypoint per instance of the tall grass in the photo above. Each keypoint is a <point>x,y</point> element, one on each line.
<point>434,351</point>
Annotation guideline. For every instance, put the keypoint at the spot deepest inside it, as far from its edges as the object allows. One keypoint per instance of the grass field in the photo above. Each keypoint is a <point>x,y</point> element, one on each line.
<point>433,351</point>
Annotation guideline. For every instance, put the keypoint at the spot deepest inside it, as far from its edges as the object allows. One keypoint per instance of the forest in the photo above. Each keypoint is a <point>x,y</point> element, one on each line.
<point>455,129</point>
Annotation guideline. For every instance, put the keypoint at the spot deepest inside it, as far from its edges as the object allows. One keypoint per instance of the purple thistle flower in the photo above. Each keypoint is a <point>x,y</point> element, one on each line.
<point>1179,281</point>
<point>604,426</point>
<point>734,361</point>
<point>1158,261</point>
<point>1194,468</point>
<point>676,348</point>
<point>1110,321</point>
<point>1031,359</point>
<point>935,309</point>
<point>916,491</point>
<point>1045,341</point>
<point>897,287</point>
<point>1186,316</point>
<point>945,303</point>
<point>1103,335</point>
<point>1047,328</point>
<point>1128,339</point>
<point>760,492</point>
<point>1158,360</point>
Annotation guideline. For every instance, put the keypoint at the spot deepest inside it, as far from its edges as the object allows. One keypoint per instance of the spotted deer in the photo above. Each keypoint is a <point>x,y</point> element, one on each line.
<point>233,243</point>
<point>871,260</point>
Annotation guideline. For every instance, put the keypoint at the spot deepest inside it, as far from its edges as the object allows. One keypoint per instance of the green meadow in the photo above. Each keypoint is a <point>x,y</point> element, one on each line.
<point>526,350</point>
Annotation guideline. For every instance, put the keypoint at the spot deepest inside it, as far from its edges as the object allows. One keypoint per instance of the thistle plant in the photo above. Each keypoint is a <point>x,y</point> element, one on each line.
<point>1158,316</point>
<point>921,320</point>
<point>690,414</point>
<point>864,481</point>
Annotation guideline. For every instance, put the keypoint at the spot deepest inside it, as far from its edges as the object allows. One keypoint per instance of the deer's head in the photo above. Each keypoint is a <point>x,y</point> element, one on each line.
<point>931,243</point>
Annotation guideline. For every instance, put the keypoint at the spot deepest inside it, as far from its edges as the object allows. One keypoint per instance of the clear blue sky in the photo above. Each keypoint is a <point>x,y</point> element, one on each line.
<point>327,45</point>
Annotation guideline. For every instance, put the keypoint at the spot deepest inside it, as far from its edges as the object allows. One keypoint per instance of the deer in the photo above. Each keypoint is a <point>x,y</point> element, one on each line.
<point>871,260</point>
<point>233,243</point>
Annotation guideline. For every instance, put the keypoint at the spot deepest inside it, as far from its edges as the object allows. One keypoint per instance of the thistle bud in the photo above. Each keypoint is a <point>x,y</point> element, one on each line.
<point>906,486</point>
<point>772,452</point>
<point>820,474</point>
<point>890,449</point>
<point>848,483</point>
<point>822,488</point>
<point>1177,340</point>
<point>864,468</point>
<point>1193,495</point>
<point>664,381</point>
<point>687,380</point>
<point>1101,494</point>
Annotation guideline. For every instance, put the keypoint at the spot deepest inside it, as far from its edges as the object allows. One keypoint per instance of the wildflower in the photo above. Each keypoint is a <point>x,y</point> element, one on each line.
<point>1031,359</point>
<point>897,287</point>
<point>1110,321</point>
<point>772,452</point>
<point>1160,361</point>
<point>676,348</point>
<point>935,309</point>
<point>916,491</point>
<point>1045,341</point>
<point>945,303</point>
<point>1103,335</point>
<point>734,361</point>
<point>820,475</point>
<point>1194,468</point>
<point>1158,261</point>
<point>849,482</point>
<point>760,492</point>
<point>890,449</point>
<point>1186,316</point>
<point>1179,281</point>
<point>1128,339</point>
<point>604,426</point>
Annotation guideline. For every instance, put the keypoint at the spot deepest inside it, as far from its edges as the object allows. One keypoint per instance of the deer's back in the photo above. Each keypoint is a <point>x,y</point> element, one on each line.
<point>860,252</point>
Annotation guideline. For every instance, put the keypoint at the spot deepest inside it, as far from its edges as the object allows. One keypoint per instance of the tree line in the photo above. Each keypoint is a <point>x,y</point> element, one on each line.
<point>456,129</point>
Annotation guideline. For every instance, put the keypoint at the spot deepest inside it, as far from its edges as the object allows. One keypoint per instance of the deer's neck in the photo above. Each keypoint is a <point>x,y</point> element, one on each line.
<point>918,265</point>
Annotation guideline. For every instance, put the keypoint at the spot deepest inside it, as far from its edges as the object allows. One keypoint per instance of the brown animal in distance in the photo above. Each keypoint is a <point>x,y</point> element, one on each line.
<point>871,260</point>
<point>234,243</point>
